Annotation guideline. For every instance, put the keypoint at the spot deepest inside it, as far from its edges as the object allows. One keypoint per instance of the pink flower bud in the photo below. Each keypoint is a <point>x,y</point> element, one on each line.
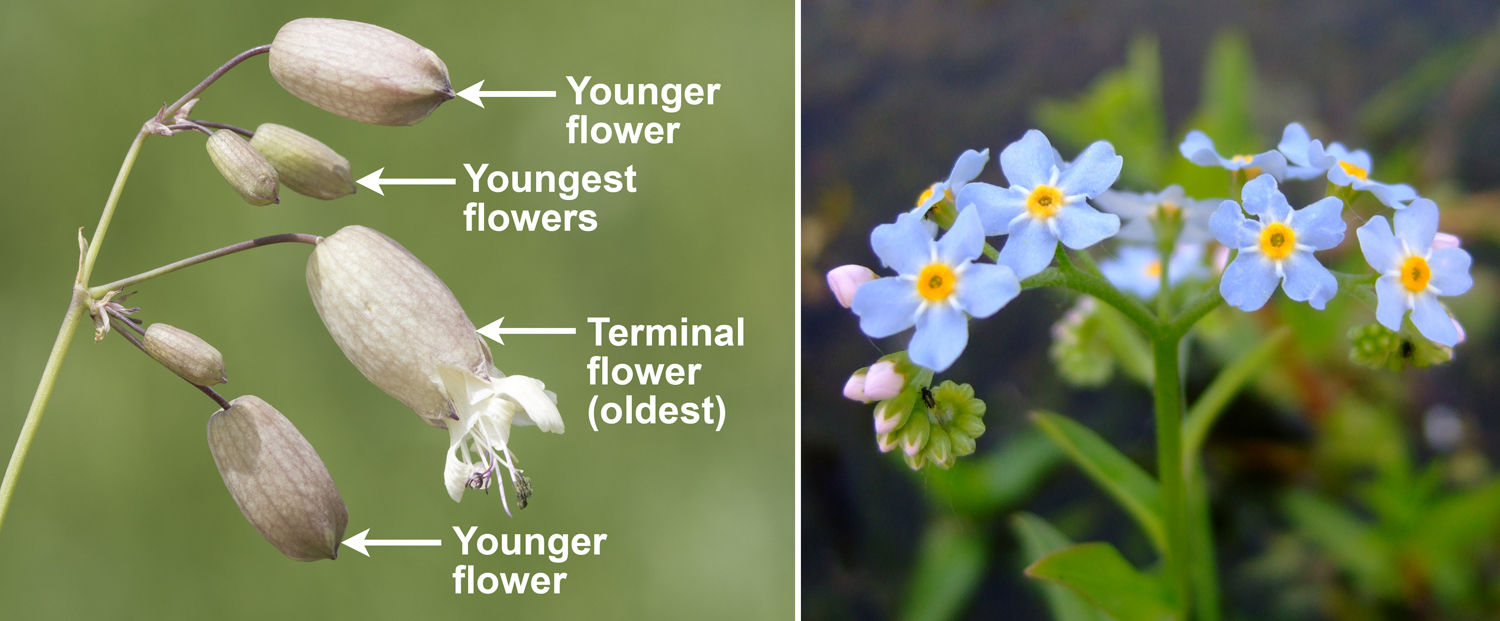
<point>883,381</point>
<point>845,280</point>
<point>1445,240</point>
<point>854,389</point>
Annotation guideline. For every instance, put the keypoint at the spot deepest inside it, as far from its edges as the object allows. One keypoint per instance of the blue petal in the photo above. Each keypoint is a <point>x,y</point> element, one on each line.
<point>1381,249</point>
<point>1320,157</point>
<point>1139,229</point>
<point>904,246</point>
<point>1450,271</point>
<point>984,288</point>
<point>1259,194</point>
<point>1199,149</point>
<point>1307,280</point>
<point>997,206</point>
<point>964,241</point>
<point>1433,322</point>
<point>1126,204</point>
<point>1321,224</point>
<point>1417,225</point>
<point>1390,307</point>
<point>1338,176</point>
<point>1303,173</point>
<point>1079,226</point>
<point>1028,162</point>
<point>1395,196</point>
<point>1231,228</point>
<point>1092,172</point>
<point>1294,141</point>
<point>886,306</point>
<point>1128,272</point>
<point>936,194</point>
<point>1248,282</point>
<point>942,333</point>
<point>1271,163</point>
<point>1359,157</point>
<point>968,166</point>
<point>1029,249</point>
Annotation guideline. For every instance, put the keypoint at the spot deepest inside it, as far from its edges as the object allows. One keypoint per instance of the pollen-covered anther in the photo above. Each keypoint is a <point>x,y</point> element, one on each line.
<point>936,282</point>
<point>1278,241</point>
<point>1355,171</point>
<point>1044,201</point>
<point>1415,273</point>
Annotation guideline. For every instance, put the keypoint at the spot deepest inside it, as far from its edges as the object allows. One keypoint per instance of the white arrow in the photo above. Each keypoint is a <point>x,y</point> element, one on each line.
<point>493,331</point>
<point>373,181</point>
<point>477,96</point>
<point>358,542</point>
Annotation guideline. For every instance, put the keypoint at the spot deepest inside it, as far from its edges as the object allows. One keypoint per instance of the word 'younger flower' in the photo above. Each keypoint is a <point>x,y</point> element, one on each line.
<point>1045,202</point>
<point>1414,273</point>
<point>938,284</point>
<point>1277,247</point>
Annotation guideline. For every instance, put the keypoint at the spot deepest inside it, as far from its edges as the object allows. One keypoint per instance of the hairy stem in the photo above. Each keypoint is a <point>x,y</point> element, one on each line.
<point>227,250</point>
<point>1169,468</point>
<point>212,77</point>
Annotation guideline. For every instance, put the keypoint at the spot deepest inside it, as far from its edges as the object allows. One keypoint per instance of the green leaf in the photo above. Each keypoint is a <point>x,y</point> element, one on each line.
<point>949,566</point>
<point>1205,411</point>
<point>1103,577</point>
<point>1122,106</point>
<point>1451,537</point>
<point>1348,541</point>
<point>997,479</point>
<point>1120,477</point>
<point>1038,539</point>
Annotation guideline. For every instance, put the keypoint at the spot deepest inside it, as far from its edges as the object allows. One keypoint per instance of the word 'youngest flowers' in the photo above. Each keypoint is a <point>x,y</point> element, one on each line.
<point>1277,247</point>
<point>1045,202</point>
<point>939,286</point>
<point>1414,273</point>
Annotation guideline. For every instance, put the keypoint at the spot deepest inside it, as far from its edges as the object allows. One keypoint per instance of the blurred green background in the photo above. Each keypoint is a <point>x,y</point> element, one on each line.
<point>120,512</point>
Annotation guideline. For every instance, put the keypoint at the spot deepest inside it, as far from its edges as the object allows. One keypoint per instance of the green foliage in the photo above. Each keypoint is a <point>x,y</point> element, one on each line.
<point>1121,478</point>
<point>1088,341</point>
<point>998,479</point>
<point>1038,539</point>
<point>1122,106</point>
<point>1109,582</point>
<point>1377,347</point>
<point>1201,417</point>
<point>949,566</point>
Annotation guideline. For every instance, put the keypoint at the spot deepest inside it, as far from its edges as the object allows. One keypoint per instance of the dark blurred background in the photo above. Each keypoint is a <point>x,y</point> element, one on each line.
<point>894,91</point>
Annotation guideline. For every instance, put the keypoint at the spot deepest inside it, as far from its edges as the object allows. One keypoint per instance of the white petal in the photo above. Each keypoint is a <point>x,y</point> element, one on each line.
<point>538,408</point>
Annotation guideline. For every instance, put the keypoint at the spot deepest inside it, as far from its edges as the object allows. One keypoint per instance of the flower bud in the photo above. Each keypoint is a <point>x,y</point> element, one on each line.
<point>188,356</point>
<point>302,163</point>
<point>243,167</point>
<point>393,318</point>
<point>883,381</point>
<point>854,388</point>
<point>845,280</point>
<point>277,480</point>
<point>1445,240</point>
<point>359,71</point>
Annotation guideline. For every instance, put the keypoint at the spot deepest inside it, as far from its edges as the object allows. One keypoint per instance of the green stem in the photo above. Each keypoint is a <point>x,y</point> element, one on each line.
<point>1205,411</point>
<point>1169,467</point>
<point>1066,275</point>
<point>1205,569</point>
<point>227,250</point>
<point>1193,312</point>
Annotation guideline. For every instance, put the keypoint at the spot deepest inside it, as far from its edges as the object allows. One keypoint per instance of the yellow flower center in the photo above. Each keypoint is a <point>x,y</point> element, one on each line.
<point>1355,171</point>
<point>936,282</point>
<point>1250,172</point>
<point>1415,273</point>
<point>1044,202</point>
<point>926,194</point>
<point>1167,209</point>
<point>1278,241</point>
<point>1153,269</point>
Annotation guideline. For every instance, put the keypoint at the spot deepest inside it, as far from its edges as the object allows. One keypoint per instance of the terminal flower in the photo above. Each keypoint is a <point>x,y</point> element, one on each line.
<point>938,287</point>
<point>1344,167</point>
<point>1138,268</point>
<point>1278,246</point>
<point>1199,149</point>
<point>1414,272</point>
<point>1141,211</point>
<point>486,405</point>
<point>968,166</point>
<point>1045,202</point>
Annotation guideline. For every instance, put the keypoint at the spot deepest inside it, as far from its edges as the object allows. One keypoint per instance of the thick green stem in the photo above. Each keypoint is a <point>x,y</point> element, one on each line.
<point>227,250</point>
<point>1066,275</point>
<point>1169,467</point>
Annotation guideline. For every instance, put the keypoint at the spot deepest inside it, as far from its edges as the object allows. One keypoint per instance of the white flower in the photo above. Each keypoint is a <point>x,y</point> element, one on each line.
<point>486,408</point>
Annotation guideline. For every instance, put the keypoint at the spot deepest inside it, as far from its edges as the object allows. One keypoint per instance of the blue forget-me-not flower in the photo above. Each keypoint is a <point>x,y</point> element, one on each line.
<point>1310,158</point>
<point>1277,247</point>
<point>1141,210</point>
<point>938,284</point>
<point>1199,149</point>
<point>1046,201</point>
<point>1413,273</point>
<point>968,166</point>
<point>1137,269</point>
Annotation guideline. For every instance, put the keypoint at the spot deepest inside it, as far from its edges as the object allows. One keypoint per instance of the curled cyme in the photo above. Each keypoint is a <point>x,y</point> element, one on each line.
<point>968,166</point>
<point>1277,247</point>
<point>1046,201</point>
<point>1137,269</point>
<point>937,289</point>
<point>1142,211</point>
<point>1413,272</point>
<point>1345,168</point>
<point>1199,149</point>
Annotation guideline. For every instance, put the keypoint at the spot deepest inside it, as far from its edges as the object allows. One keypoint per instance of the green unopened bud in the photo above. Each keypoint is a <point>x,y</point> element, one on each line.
<point>302,163</point>
<point>185,354</point>
<point>243,167</point>
<point>359,71</point>
<point>277,479</point>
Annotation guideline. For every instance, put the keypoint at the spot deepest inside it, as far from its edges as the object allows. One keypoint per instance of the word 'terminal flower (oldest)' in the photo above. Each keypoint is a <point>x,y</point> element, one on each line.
<point>1045,202</point>
<point>1413,273</point>
<point>1344,167</point>
<point>406,332</point>
<point>937,285</point>
<point>968,166</point>
<point>1277,247</point>
<point>1199,149</point>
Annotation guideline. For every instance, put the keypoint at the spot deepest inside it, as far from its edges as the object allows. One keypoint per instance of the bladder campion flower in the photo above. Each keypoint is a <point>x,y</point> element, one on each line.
<point>1142,211</point>
<point>968,166</point>
<point>1413,272</point>
<point>1344,167</point>
<point>1045,202</point>
<point>1199,149</point>
<point>938,284</point>
<point>1277,247</point>
<point>1138,268</point>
